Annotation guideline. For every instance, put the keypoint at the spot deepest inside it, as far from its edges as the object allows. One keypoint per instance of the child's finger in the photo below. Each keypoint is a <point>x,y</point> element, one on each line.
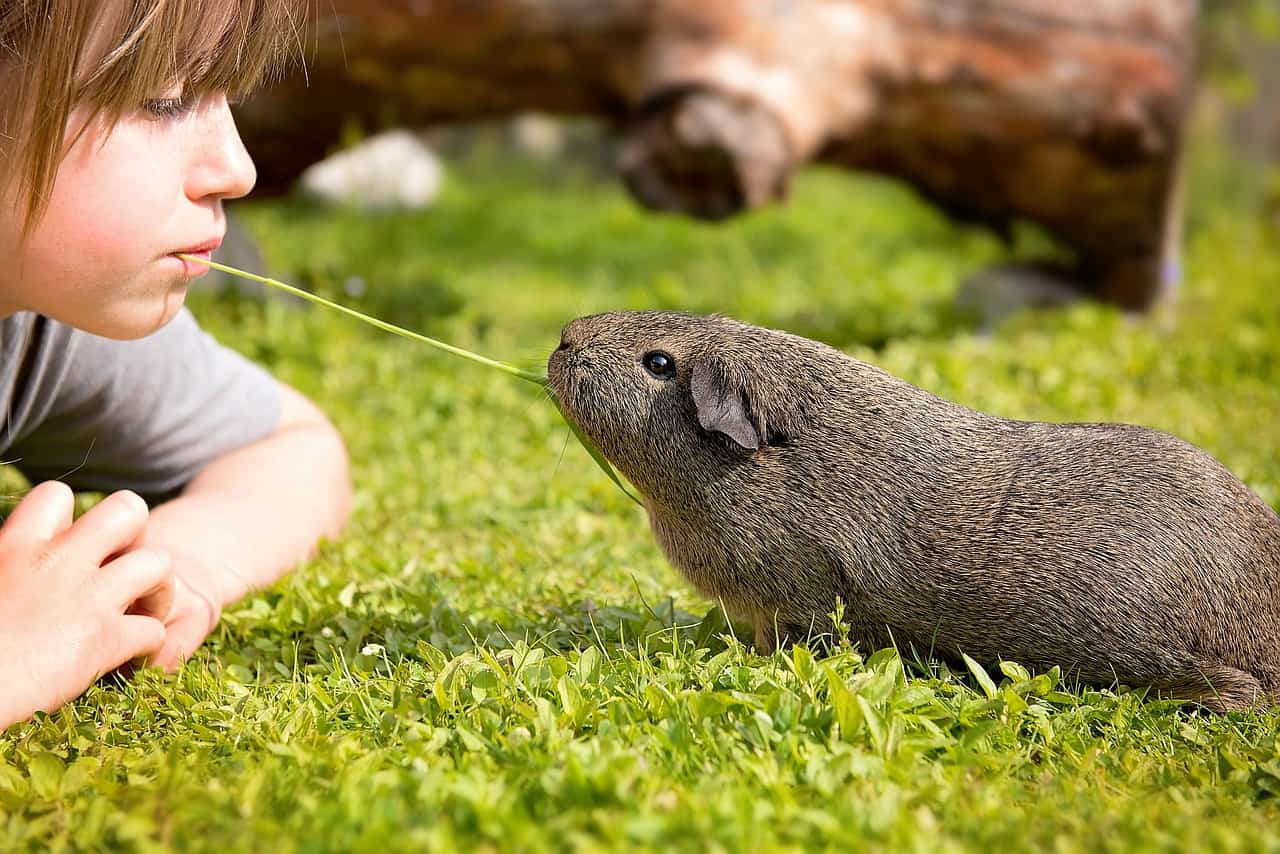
<point>45,512</point>
<point>110,527</point>
<point>140,582</point>
<point>181,639</point>
<point>138,637</point>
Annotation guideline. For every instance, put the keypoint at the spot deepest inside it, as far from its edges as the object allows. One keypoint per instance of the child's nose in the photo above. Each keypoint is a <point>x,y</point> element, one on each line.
<point>223,168</point>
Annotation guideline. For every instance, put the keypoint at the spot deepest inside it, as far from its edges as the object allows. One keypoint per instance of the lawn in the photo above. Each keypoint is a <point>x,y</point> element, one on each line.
<point>496,656</point>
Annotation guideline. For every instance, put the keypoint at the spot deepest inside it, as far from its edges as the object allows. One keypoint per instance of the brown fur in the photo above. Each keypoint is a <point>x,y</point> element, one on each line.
<point>1120,553</point>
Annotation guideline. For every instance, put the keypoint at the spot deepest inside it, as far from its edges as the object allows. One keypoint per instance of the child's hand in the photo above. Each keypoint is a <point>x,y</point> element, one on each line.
<point>77,599</point>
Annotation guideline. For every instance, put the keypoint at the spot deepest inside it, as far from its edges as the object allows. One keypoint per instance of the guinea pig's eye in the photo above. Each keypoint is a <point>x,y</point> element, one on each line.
<point>659,364</point>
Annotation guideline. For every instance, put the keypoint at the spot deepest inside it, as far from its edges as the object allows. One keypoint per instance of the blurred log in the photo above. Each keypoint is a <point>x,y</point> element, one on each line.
<point>1068,115</point>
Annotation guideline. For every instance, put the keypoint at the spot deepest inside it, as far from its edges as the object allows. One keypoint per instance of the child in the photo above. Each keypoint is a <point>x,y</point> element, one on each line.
<point>117,148</point>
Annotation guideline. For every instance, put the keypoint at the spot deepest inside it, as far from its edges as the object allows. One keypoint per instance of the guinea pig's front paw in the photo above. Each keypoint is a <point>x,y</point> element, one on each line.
<point>766,629</point>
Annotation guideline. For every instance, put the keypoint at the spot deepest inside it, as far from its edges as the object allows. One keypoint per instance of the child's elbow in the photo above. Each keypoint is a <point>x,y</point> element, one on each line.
<point>336,463</point>
<point>328,461</point>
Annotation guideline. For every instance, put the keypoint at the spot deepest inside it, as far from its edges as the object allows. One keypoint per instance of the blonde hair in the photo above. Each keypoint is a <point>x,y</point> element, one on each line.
<point>110,56</point>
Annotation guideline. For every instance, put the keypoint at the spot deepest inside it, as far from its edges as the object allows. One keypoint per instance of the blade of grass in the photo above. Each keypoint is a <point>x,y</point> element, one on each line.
<point>528,376</point>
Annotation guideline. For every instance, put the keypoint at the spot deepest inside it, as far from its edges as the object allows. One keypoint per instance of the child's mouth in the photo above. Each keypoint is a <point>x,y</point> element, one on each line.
<point>193,269</point>
<point>201,252</point>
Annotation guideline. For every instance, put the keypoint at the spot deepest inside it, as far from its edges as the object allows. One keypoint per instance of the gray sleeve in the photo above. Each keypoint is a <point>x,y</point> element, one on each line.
<point>145,415</point>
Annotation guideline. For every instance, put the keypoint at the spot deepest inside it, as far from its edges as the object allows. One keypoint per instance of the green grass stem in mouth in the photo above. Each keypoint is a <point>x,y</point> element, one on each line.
<point>539,379</point>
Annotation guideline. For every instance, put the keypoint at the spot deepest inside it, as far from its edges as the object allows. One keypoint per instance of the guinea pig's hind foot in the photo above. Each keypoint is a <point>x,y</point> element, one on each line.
<point>1217,688</point>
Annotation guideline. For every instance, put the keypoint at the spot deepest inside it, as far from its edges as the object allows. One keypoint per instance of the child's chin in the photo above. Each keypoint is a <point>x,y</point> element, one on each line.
<point>143,320</point>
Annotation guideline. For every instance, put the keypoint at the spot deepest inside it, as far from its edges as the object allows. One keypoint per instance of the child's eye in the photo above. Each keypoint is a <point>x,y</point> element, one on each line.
<point>168,108</point>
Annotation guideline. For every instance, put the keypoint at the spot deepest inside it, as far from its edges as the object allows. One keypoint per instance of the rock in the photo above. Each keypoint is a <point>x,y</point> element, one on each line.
<point>391,169</point>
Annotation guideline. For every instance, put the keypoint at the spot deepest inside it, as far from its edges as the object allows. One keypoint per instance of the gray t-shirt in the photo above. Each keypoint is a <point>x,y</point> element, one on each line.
<point>145,415</point>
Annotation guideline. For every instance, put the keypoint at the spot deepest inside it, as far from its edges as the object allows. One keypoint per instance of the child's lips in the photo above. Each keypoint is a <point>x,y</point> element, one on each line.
<point>203,251</point>
<point>191,268</point>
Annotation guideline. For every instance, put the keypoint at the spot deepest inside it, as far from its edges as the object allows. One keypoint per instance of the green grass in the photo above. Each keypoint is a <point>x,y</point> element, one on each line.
<point>495,655</point>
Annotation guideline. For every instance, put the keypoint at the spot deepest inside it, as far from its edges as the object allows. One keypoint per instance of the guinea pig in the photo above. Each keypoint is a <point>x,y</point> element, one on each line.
<point>779,474</point>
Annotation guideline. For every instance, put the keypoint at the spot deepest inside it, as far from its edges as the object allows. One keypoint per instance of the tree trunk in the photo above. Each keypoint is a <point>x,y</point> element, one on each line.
<point>1069,115</point>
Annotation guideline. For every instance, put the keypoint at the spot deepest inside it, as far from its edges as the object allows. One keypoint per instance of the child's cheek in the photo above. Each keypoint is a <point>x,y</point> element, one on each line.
<point>121,200</point>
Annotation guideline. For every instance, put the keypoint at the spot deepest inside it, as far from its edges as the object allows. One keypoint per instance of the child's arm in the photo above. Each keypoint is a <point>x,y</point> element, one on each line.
<point>247,518</point>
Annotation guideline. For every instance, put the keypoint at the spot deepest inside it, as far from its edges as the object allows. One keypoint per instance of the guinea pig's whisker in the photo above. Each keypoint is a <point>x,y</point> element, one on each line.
<point>564,446</point>
<point>600,460</point>
<point>531,404</point>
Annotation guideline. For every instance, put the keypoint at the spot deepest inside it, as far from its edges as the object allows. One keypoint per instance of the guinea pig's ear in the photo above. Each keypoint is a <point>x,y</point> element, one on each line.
<point>722,406</point>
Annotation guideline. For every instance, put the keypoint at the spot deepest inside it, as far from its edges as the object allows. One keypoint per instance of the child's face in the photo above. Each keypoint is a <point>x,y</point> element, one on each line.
<point>124,201</point>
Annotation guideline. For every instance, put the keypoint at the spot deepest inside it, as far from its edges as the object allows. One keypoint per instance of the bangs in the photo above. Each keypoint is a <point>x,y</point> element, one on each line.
<point>110,57</point>
<point>206,45</point>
